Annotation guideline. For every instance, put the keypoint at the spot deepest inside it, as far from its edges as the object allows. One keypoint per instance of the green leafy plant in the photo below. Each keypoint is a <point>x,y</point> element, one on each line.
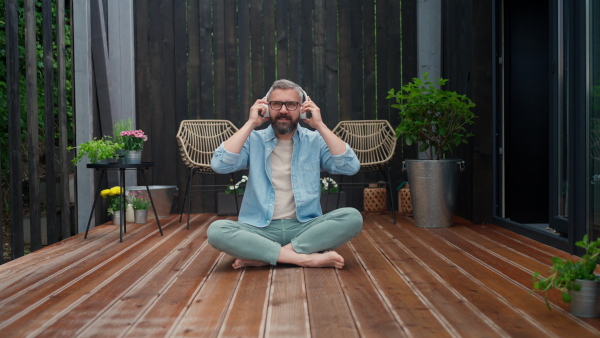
<point>119,127</point>
<point>434,117</point>
<point>329,185</point>
<point>138,201</point>
<point>113,199</point>
<point>96,150</point>
<point>565,272</point>
<point>239,187</point>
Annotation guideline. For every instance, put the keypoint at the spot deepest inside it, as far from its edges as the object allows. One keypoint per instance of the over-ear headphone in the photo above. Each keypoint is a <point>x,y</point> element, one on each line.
<point>303,114</point>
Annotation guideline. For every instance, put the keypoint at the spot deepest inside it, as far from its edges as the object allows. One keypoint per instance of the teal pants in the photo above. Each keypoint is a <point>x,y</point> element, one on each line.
<point>245,241</point>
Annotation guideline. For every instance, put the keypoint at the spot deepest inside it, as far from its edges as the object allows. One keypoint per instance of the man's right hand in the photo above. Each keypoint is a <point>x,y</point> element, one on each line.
<point>255,118</point>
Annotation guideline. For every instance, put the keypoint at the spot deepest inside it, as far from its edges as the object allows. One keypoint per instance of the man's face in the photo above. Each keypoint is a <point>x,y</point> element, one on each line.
<point>284,121</point>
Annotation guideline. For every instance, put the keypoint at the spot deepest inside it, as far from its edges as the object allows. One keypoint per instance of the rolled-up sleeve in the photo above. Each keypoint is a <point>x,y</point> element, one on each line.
<point>346,163</point>
<point>224,161</point>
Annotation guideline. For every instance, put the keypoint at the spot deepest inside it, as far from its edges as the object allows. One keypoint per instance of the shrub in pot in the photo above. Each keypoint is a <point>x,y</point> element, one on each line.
<point>568,277</point>
<point>437,120</point>
<point>96,150</point>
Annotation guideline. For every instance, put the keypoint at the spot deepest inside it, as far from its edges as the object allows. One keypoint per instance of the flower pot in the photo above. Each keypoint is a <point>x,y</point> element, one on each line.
<point>103,161</point>
<point>129,216</point>
<point>433,188</point>
<point>116,218</point>
<point>141,216</point>
<point>329,202</point>
<point>133,157</point>
<point>586,301</point>
<point>226,204</point>
<point>121,156</point>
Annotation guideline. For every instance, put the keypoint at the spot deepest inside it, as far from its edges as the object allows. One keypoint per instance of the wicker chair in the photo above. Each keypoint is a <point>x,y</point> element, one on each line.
<point>197,141</point>
<point>374,142</point>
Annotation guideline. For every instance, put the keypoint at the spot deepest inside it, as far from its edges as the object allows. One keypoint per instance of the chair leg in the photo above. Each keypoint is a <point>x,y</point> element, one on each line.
<point>389,180</point>
<point>237,207</point>
<point>185,196</point>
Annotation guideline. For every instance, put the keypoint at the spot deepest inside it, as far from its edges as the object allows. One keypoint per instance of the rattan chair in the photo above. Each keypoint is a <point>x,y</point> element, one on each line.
<point>197,141</point>
<point>374,142</point>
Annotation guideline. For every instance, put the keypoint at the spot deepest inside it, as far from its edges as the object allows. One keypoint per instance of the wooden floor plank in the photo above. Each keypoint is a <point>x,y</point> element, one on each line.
<point>246,315</point>
<point>410,306</point>
<point>287,313</point>
<point>125,310</point>
<point>40,304</point>
<point>460,315</point>
<point>399,280</point>
<point>448,266</point>
<point>372,316</point>
<point>157,320</point>
<point>330,315</point>
<point>89,297</point>
<point>510,285</point>
<point>204,315</point>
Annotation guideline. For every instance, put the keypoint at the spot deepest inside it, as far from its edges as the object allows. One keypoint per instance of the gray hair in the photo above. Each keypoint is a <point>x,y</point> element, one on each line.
<point>287,84</point>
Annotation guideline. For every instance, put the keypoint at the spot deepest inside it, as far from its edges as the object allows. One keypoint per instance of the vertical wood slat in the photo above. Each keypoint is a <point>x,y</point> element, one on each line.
<point>51,223</point>
<point>14,129</point>
<point>257,24</point>
<point>182,88</point>
<point>281,26</point>
<point>245,77</point>
<point>269,43</point>
<point>65,227</point>
<point>232,88</point>
<point>331,63</point>
<point>32,126</point>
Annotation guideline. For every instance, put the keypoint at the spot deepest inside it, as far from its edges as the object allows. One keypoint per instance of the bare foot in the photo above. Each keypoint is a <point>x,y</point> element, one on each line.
<point>242,263</point>
<point>329,259</point>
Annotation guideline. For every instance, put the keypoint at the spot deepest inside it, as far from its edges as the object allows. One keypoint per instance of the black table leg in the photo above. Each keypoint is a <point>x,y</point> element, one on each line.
<point>152,202</point>
<point>102,175</point>
<point>123,225</point>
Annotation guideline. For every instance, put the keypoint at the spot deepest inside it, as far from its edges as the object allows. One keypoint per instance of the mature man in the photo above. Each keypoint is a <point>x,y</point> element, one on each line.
<point>280,220</point>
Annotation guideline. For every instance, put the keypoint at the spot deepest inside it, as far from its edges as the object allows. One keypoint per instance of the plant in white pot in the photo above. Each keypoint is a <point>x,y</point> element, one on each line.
<point>437,120</point>
<point>577,281</point>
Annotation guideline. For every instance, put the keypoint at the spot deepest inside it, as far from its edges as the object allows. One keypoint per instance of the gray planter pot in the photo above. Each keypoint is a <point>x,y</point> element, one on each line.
<point>329,202</point>
<point>433,188</point>
<point>586,301</point>
<point>226,204</point>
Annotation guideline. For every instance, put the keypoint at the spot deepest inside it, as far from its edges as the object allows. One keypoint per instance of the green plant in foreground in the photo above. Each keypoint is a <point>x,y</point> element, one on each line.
<point>564,273</point>
<point>96,150</point>
<point>435,117</point>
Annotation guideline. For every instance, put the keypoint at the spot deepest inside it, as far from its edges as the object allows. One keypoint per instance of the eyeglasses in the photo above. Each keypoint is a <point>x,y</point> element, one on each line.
<point>290,105</point>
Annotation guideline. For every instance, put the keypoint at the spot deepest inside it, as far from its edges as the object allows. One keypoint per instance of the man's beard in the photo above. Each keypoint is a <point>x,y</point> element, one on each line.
<point>283,124</point>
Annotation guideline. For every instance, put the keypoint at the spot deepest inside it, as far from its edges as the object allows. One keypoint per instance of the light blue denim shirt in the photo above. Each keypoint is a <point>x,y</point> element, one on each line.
<point>311,156</point>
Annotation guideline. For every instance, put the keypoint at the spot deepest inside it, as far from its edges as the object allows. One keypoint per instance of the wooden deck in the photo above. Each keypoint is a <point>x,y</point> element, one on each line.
<point>399,280</point>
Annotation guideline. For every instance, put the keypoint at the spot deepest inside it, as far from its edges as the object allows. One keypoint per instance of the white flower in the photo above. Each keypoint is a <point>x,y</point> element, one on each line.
<point>231,187</point>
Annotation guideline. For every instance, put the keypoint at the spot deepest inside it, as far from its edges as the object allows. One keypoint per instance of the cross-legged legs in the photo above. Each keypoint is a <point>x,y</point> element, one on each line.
<point>288,241</point>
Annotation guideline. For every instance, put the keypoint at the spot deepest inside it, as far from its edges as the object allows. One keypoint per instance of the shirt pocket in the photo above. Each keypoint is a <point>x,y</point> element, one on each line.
<point>311,176</point>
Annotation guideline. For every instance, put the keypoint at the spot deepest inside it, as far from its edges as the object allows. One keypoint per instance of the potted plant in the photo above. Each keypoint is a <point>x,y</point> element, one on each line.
<point>133,144</point>
<point>97,150</point>
<point>118,128</point>
<point>330,187</point>
<point>437,120</point>
<point>113,202</point>
<point>226,201</point>
<point>140,205</point>
<point>573,278</point>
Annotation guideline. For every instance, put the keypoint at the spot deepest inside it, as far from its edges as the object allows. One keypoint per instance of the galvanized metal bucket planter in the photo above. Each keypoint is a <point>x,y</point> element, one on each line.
<point>433,187</point>
<point>586,301</point>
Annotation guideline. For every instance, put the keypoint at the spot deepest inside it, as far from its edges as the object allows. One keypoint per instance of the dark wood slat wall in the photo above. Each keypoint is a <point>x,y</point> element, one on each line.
<point>345,60</point>
<point>33,153</point>
<point>467,63</point>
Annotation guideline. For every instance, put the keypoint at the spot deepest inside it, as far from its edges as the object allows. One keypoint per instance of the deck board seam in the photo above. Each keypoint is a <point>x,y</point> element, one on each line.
<point>103,284</point>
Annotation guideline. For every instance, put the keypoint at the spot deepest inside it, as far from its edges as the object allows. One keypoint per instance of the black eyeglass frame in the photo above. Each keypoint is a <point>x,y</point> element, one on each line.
<point>284,104</point>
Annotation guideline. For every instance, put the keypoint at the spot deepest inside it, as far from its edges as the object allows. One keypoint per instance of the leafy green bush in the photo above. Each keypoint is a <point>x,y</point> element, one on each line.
<point>432,116</point>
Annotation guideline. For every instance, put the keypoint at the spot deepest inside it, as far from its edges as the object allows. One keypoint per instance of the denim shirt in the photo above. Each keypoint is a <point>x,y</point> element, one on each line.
<point>311,156</point>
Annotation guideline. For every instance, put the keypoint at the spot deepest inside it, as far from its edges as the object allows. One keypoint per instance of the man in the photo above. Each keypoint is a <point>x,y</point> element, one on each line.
<point>280,220</point>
